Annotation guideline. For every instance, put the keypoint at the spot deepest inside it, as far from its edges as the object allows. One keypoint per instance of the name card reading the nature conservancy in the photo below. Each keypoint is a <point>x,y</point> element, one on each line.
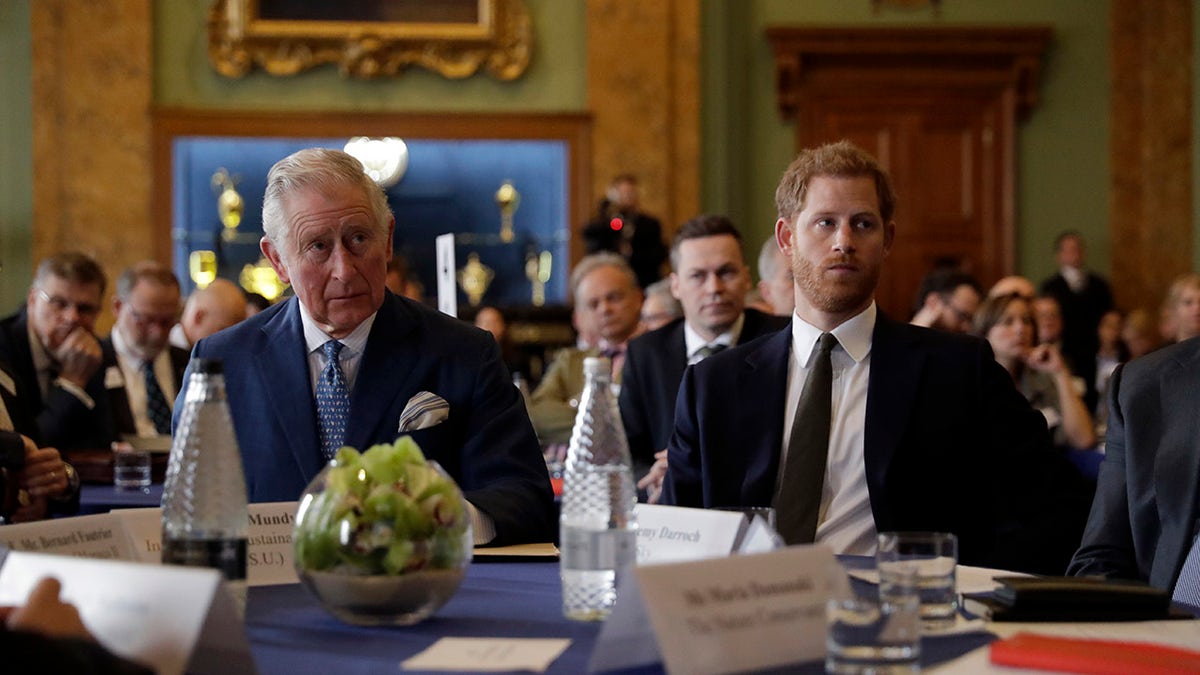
<point>171,618</point>
<point>741,613</point>
<point>269,540</point>
<point>97,536</point>
<point>675,533</point>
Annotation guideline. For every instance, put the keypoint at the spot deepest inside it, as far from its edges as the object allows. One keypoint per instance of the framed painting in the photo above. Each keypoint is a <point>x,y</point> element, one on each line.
<point>370,38</point>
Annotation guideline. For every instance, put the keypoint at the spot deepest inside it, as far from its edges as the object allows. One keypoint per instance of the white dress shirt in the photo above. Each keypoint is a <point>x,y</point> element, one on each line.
<point>130,364</point>
<point>693,342</point>
<point>845,521</point>
<point>353,346</point>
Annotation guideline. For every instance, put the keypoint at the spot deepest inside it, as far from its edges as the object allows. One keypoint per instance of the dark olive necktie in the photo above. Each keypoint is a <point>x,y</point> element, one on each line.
<point>799,500</point>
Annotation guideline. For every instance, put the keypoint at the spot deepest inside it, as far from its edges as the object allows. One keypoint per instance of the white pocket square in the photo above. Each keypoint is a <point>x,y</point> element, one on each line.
<point>425,409</point>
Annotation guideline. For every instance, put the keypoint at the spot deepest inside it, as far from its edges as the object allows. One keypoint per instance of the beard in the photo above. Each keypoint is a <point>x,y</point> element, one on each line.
<point>830,295</point>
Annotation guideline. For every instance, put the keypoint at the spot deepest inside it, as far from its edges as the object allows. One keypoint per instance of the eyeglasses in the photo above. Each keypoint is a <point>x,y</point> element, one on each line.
<point>60,304</point>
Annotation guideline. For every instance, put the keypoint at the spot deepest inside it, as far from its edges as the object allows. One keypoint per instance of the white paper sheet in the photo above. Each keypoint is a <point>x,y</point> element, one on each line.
<point>491,655</point>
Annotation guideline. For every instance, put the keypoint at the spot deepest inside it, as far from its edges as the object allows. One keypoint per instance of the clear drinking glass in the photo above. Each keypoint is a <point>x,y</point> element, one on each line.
<point>131,469</point>
<point>876,634</point>
<point>935,555</point>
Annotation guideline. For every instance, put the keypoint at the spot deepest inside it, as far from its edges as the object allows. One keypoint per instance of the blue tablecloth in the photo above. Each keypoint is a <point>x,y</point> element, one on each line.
<point>105,498</point>
<point>289,633</point>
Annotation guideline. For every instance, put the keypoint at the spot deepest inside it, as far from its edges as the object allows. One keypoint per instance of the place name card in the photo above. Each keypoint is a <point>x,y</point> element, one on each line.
<point>676,533</point>
<point>269,540</point>
<point>174,619</point>
<point>97,536</point>
<point>723,615</point>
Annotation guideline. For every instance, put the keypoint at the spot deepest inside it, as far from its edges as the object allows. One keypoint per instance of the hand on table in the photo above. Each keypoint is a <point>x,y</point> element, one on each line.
<point>45,474</point>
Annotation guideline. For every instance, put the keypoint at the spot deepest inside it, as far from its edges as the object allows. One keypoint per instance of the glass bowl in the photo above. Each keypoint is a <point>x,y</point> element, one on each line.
<point>381,541</point>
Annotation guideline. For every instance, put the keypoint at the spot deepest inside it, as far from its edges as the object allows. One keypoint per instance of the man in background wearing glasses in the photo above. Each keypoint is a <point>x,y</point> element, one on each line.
<point>55,356</point>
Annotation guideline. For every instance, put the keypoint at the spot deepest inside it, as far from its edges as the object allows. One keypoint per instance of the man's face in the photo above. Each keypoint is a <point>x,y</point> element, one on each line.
<point>958,312</point>
<point>711,283</point>
<point>146,317</point>
<point>624,196</point>
<point>612,302</point>
<point>1049,319</point>
<point>335,256</point>
<point>57,307</point>
<point>1070,252</point>
<point>836,245</point>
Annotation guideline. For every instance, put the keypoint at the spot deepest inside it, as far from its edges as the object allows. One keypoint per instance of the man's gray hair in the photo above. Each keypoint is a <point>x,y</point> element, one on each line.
<point>596,260</point>
<point>148,271</point>
<point>321,169</point>
<point>769,258</point>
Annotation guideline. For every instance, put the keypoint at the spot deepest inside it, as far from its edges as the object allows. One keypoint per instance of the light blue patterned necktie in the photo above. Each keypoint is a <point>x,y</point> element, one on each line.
<point>333,401</point>
<point>1187,587</point>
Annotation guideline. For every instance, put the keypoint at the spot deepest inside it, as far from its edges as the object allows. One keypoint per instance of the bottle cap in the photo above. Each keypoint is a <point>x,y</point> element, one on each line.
<point>208,366</point>
<point>597,365</point>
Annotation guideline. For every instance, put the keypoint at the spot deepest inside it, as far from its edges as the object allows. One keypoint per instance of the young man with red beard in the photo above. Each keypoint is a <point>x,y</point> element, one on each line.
<point>850,423</point>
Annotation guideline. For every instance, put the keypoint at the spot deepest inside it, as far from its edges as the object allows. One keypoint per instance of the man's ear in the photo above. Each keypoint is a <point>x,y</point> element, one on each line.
<point>889,236</point>
<point>272,254</point>
<point>784,237</point>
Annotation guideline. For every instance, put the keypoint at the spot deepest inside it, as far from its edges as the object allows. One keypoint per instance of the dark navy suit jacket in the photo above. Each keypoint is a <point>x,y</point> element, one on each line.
<point>654,365</point>
<point>950,444</point>
<point>1146,509</point>
<point>487,444</point>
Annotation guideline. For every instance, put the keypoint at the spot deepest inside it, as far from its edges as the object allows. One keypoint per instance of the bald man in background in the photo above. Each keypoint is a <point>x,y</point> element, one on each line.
<point>216,307</point>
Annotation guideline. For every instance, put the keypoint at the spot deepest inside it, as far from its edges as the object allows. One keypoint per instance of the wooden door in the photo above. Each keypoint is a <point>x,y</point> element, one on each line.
<point>942,125</point>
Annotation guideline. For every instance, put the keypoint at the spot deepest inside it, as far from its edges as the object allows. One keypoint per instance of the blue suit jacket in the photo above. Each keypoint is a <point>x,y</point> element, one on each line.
<point>487,444</point>
<point>1148,492</point>
<point>950,444</point>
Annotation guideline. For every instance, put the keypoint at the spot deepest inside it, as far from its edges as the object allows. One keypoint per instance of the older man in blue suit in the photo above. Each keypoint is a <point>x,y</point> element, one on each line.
<point>347,362</point>
<point>849,423</point>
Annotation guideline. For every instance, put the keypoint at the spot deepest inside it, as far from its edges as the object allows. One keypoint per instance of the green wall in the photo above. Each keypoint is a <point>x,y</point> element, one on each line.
<point>1063,146</point>
<point>555,80</point>
<point>16,154</point>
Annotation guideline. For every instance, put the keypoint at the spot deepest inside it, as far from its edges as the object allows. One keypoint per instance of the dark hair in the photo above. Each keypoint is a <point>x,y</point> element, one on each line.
<point>944,282</point>
<point>1065,235</point>
<point>839,160</point>
<point>73,267</point>
<point>992,310</point>
<point>707,225</point>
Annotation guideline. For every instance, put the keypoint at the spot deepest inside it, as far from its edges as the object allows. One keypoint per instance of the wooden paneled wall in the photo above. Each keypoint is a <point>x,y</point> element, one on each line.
<point>644,96</point>
<point>1150,194</point>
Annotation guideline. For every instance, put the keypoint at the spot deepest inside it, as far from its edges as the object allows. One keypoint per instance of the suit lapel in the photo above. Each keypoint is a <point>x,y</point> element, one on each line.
<point>282,365</point>
<point>764,376</point>
<point>1178,464</point>
<point>891,391</point>
<point>387,357</point>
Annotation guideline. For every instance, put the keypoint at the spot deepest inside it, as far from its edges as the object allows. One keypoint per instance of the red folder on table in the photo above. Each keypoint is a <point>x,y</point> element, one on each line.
<point>1075,655</point>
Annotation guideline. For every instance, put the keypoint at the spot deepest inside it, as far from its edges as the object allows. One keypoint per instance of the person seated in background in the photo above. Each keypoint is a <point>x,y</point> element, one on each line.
<point>1111,353</point>
<point>1038,370</point>
<point>604,286</point>
<point>400,281</point>
<point>346,362</point>
<point>492,320</point>
<point>47,635</point>
<point>1146,515</point>
<point>849,423</point>
<point>775,279</point>
<point>1182,307</point>
<point>709,278</point>
<point>142,372</point>
<point>1047,315</point>
<point>35,482</point>
<point>1140,333</point>
<point>55,356</point>
<point>1012,285</point>
<point>659,307</point>
<point>213,308</point>
<point>947,300</point>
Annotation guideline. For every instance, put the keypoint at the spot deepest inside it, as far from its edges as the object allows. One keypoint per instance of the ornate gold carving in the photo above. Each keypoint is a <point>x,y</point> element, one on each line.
<point>501,40</point>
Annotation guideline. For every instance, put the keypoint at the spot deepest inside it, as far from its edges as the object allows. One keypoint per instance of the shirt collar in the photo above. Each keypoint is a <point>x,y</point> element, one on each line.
<point>693,342</point>
<point>854,335</point>
<point>314,337</point>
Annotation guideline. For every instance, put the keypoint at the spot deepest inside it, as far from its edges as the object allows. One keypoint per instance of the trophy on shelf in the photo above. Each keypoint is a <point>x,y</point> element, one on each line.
<point>508,199</point>
<point>230,204</point>
<point>474,278</point>
<point>537,271</point>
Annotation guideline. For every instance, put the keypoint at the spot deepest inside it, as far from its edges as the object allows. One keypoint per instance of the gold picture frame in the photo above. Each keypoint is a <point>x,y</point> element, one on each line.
<point>371,38</point>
